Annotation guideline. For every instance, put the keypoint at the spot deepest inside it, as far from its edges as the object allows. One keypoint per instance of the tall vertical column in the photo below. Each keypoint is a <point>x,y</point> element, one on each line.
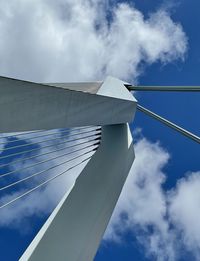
<point>75,228</point>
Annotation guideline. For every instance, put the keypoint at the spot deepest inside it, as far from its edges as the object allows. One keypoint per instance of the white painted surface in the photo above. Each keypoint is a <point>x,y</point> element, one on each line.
<point>90,87</point>
<point>75,228</point>
<point>113,87</point>
<point>26,106</point>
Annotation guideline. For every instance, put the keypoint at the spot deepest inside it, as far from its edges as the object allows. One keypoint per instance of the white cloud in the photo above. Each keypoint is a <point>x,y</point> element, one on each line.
<point>69,40</point>
<point>166,223</point>
<point>76,40</point>
<point>185,210</point>
<point>142,203</point>
<point>142,187</point>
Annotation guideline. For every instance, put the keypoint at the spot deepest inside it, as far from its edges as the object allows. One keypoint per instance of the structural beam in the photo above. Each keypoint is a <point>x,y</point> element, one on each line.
<point>28,106</point>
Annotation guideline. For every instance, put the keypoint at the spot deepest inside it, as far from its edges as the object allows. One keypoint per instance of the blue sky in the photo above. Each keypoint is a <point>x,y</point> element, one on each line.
<point>181,108</point>
<point>180,163</point>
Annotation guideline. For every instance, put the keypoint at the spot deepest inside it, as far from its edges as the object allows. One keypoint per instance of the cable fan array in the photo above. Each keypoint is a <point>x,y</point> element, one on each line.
<point>30,157</point>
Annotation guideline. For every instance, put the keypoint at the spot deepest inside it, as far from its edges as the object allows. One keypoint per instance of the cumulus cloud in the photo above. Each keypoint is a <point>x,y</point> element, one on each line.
<point>142,204</point>
<point>166,223</point>
<point>142,187</point>
<point>76,40</point>
<point>80,40</point>
<point>83,40</point>
<point>185,210</point>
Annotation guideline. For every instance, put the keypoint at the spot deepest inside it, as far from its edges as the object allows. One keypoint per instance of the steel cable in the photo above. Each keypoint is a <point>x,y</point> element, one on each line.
<point>43,171</point>
<point>44,135</point>
<point>49,152</point>
<point>164,88</point>
<point>35,149</point>
<point>169,124</point>
<point>44,161</point>
<point>39,142</point>
<point>38,131</point>
<point>42,184</point>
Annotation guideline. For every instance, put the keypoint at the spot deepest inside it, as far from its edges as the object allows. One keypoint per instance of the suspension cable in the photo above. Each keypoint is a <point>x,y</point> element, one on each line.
<point>44,135</point>
<point>164,88</point>
<point>39,142</point>
<point>169,124</point>
<point>47,160</point>
<point>42,184</point>
<point>38,131</point>
<point>43,171</point>
<point>50,152</point>
<point>35,149</point>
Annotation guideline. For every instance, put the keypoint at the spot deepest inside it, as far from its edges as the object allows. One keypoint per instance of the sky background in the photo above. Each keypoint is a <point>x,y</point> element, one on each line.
<point>143,42</point>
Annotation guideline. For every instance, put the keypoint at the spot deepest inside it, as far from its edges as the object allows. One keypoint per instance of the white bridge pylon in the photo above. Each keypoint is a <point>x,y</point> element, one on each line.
<point>75,228</point>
